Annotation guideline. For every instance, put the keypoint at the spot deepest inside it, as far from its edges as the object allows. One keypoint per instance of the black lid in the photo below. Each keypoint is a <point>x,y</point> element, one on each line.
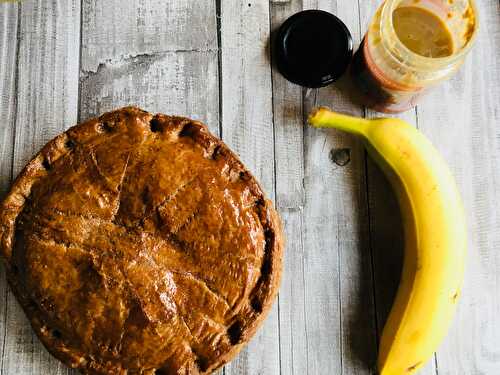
<point>313,48</point>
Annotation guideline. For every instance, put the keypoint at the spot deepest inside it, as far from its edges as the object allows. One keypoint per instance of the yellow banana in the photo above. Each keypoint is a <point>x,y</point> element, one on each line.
<point>435,237</point>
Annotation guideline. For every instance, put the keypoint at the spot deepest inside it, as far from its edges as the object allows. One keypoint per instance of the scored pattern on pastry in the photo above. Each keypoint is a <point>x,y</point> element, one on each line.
<point>141,244</point>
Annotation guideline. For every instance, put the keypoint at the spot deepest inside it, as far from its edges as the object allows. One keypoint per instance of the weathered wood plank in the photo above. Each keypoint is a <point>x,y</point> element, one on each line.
<point>461,118</point>
<point>8,53</point>
<point>8,56</point>
<point>247,127</point>
<point>357,310</point>
<point>159,55</point>
<point>47,99</point>
<point>183,83</point>
<point>117,29</point>
<point>339,301</point>
<point>246,86</point>
<point>47,94</point>
<point>288,125</point>
<point>289,157</point>
<point>292,313</point>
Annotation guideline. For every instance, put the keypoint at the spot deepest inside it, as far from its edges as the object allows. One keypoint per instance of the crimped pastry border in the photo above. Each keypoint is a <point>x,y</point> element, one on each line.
<point>262,295</point>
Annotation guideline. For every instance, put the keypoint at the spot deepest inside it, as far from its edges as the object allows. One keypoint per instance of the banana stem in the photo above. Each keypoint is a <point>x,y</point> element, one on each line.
<point>323,117</point>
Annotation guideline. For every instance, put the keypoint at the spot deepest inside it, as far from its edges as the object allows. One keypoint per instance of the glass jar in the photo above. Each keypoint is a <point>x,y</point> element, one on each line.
<point>390,76</point>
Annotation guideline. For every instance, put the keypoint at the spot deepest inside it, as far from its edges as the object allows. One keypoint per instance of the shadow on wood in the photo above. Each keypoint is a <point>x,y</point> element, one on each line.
<point>386,241</point>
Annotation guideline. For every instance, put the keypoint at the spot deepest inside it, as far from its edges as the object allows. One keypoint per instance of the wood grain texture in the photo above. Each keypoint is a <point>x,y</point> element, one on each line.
<point>288,125</point>
<point>289,159</point>
<point>184,83</point>
<point>339,303</point>
<point>47,97</point>
<point>461,118</point>
<point>247,127</point>
<point>117,29</point>
<point>8,57</point>
<point>288,119</point>
<point>161,56</point>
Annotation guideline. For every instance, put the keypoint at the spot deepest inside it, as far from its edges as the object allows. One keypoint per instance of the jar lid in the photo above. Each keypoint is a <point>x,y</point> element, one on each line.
<point>313,48</point>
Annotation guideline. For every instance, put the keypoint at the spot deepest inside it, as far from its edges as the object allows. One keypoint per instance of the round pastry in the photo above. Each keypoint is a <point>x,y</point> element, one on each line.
<point>140,244</point>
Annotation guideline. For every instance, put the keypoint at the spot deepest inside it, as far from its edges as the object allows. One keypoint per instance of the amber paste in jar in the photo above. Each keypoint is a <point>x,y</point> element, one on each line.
<point>422,32</point>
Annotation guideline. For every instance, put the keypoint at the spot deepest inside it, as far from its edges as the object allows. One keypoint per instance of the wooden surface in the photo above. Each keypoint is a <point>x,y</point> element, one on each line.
<point>63,61</point>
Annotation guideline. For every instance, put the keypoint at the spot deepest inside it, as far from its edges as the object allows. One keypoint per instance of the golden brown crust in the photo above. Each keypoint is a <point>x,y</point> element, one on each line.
<point>140,244</point>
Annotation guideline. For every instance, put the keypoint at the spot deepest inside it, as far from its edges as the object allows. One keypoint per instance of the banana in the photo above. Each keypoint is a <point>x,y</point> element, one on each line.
<point>435,237</point>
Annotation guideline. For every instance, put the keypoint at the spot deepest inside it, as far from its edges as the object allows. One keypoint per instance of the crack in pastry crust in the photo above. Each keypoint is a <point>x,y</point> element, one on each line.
<point>140,244</point>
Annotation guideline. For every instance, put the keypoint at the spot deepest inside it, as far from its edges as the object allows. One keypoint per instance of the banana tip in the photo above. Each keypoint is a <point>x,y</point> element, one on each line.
<point>315,114</point>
